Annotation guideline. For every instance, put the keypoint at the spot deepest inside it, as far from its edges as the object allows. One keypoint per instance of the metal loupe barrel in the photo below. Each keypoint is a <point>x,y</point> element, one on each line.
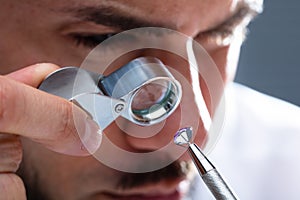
<point>149,88</point>
<point>146,90</point>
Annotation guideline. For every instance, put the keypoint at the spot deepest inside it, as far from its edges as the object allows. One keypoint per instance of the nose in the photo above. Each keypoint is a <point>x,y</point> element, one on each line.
<point>154,137</point>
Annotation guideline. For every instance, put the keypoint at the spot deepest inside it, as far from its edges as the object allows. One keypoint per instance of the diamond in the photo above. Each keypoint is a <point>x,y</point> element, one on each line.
<point>183,137</point>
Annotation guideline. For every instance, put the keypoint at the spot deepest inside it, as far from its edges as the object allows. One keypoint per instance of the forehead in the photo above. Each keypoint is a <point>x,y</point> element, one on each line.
<point>180,14</point>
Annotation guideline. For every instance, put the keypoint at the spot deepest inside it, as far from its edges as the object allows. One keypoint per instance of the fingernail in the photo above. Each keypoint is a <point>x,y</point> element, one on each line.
<point>44,68</point>
<point>88,131</point>
<point>92,137</point>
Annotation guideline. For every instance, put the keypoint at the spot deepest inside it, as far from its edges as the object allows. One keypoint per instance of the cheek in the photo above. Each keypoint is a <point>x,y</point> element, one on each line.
<point>220,57</point>
<point>213,76</point>
<point>46,169</point>
<point>226,59</point>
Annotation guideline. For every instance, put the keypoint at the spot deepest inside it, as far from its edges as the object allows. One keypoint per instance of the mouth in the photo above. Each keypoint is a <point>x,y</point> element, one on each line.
<point>170,190</point>
<point>175,195</point>
<point>169,183</point>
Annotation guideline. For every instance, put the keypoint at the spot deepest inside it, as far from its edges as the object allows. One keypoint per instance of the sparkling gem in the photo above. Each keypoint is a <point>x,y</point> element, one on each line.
<point>183,136</point>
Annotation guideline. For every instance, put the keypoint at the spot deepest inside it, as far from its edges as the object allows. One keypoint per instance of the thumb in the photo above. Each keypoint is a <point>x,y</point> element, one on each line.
<point>33,75</point>
<point>65,117</point>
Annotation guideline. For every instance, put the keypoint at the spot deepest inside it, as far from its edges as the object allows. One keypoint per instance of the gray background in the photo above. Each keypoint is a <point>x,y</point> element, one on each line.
<point>270,57</point>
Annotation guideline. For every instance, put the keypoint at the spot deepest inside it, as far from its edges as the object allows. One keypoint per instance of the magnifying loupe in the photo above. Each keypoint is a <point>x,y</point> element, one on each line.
<point>142,91</point>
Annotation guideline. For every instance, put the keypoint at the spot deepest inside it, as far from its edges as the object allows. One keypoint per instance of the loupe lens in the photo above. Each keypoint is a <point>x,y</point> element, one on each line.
<point>150,95</point>
<point>148,89</point>
<point>154,100</point>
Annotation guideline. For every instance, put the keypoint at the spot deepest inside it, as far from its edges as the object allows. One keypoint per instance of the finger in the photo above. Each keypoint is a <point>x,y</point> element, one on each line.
<point>34,74</point>
<point>47,119</point>
<point>10,152</point>
<point>11,187</point>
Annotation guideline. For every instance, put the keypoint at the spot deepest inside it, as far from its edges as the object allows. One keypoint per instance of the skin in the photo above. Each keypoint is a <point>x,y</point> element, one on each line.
<point>54,163</point>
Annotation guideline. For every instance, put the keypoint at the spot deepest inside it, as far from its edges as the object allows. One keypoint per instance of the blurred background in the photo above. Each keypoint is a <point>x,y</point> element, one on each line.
<point>270,57</point>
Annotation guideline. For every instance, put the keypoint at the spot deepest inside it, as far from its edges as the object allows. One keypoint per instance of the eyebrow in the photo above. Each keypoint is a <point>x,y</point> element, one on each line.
<point>116,18</point>
<point>113,17</point>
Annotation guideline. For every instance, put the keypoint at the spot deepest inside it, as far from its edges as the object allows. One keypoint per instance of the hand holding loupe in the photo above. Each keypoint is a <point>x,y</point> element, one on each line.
<point>142,91</point>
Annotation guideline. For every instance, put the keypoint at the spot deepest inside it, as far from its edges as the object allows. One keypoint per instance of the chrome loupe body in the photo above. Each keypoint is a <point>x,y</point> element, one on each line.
<point>142,91</point>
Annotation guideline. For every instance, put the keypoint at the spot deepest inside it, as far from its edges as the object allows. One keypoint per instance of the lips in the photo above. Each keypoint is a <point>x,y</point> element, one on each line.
<point>172,196</point>
<point>165,190</point>
<point>169,183</point>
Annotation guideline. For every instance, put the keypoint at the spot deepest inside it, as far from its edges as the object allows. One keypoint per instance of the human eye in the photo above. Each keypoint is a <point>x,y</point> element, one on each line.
<point>90,40</point>
<point>222,36</point>
<point>108,40</point>
<point>233,28</point>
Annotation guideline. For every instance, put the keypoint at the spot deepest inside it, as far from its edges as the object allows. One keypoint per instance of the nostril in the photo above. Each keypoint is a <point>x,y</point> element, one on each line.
<point>148,144</point>
<point>151,138</point>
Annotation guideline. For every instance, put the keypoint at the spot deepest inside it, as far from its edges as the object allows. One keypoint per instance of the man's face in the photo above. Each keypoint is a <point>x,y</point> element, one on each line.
<point>64,32</point>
